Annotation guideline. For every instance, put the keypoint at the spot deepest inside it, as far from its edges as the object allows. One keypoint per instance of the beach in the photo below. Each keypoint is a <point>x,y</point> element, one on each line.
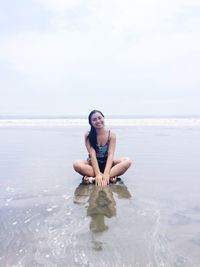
<point>48,218</point>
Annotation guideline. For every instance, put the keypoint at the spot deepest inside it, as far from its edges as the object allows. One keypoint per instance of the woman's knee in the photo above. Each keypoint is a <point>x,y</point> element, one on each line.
<point>127,161</point>
<point>77,165</point>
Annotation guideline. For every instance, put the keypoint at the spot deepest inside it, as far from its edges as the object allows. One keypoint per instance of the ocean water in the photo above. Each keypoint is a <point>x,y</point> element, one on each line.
<point>42,121</point>
<point>48,218</point>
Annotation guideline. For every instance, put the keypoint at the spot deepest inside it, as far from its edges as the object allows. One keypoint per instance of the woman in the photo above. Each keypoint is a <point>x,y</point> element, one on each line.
<point>100,143</point>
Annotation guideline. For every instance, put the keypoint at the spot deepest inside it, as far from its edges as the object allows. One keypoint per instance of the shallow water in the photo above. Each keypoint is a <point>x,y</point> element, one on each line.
<point>48,218</point>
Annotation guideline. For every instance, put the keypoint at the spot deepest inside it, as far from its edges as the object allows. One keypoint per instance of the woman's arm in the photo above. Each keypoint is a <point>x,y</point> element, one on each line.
<point>109,161</point>
<point>95,165</point>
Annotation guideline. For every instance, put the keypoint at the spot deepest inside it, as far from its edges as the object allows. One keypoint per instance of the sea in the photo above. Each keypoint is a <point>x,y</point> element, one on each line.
<point>149,219</point>
<point>51,121</point>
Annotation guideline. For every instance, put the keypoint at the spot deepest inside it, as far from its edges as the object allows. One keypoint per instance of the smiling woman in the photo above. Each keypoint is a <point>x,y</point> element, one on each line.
<point>100,167</point>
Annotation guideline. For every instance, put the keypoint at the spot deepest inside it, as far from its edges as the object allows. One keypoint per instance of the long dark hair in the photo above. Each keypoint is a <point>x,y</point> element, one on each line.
<point>92,136</point>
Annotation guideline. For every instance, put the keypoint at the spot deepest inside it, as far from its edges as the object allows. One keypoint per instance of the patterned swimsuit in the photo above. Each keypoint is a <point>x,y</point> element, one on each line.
<point>102,154</point>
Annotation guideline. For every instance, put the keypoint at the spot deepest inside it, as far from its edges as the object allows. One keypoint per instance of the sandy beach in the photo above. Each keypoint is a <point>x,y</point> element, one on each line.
<point>151,218</point>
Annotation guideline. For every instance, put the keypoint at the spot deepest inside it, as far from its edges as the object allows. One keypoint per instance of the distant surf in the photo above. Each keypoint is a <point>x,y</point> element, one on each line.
<point>8,121</point>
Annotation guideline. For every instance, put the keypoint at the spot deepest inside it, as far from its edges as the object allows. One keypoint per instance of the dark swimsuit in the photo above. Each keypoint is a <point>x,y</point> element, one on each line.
<point>102,154</point>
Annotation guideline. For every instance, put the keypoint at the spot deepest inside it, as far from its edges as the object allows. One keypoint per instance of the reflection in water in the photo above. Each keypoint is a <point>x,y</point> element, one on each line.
<point>101,205</point>
<point>101,202</point>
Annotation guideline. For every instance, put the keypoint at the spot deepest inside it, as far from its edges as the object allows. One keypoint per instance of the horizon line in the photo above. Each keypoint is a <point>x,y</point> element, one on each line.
<point>107,116</point>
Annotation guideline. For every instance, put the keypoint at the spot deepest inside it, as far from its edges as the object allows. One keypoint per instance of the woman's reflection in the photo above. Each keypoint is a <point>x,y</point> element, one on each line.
<point>101,202</point>
<point>101,205</point>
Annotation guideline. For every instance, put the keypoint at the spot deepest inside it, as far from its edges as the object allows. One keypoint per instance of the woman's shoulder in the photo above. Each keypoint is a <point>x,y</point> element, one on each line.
<point>86,134</point>
<point>112,134</point>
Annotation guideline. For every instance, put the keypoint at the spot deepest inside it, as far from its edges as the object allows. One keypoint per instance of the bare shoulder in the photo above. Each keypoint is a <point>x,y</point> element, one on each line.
<point>86,134</point>
<point>112,135</point>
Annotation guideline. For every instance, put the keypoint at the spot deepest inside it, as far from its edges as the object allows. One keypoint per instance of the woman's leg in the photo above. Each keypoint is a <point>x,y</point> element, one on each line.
<point>84,168</point>
<point>120,166</point>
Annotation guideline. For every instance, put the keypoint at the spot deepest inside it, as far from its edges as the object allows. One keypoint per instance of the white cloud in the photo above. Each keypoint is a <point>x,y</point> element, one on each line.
<point>141,45</point>
<point>59,5</point>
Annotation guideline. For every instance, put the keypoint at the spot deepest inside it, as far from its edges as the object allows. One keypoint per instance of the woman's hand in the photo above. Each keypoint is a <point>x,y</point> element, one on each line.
<point>99,179</point>
<point>106,178</point>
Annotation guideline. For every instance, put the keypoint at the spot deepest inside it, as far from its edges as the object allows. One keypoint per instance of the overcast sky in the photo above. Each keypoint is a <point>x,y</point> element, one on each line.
<point>129,57</point>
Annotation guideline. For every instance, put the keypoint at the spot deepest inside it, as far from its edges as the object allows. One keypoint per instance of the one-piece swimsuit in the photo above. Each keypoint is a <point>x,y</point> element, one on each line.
<point>102,154</point>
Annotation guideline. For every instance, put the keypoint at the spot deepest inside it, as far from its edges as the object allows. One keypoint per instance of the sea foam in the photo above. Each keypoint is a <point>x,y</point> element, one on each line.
<point>66,122</point>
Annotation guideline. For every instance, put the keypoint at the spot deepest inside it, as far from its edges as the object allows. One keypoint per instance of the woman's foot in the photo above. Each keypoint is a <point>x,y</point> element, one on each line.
<point>113,180</point>
<point>88,180</point>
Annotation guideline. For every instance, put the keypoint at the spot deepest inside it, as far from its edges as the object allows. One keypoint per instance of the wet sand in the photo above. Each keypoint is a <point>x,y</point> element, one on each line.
<point>151,218</point>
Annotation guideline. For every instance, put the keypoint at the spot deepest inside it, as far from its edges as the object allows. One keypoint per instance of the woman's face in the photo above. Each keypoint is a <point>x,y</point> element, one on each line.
<point>97,120</point>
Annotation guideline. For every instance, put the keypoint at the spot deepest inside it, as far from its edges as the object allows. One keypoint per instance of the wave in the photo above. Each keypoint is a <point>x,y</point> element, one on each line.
<point>66,122</point>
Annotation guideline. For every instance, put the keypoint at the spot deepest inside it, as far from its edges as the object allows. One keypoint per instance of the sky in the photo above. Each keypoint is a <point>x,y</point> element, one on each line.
<point>123,57</point>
